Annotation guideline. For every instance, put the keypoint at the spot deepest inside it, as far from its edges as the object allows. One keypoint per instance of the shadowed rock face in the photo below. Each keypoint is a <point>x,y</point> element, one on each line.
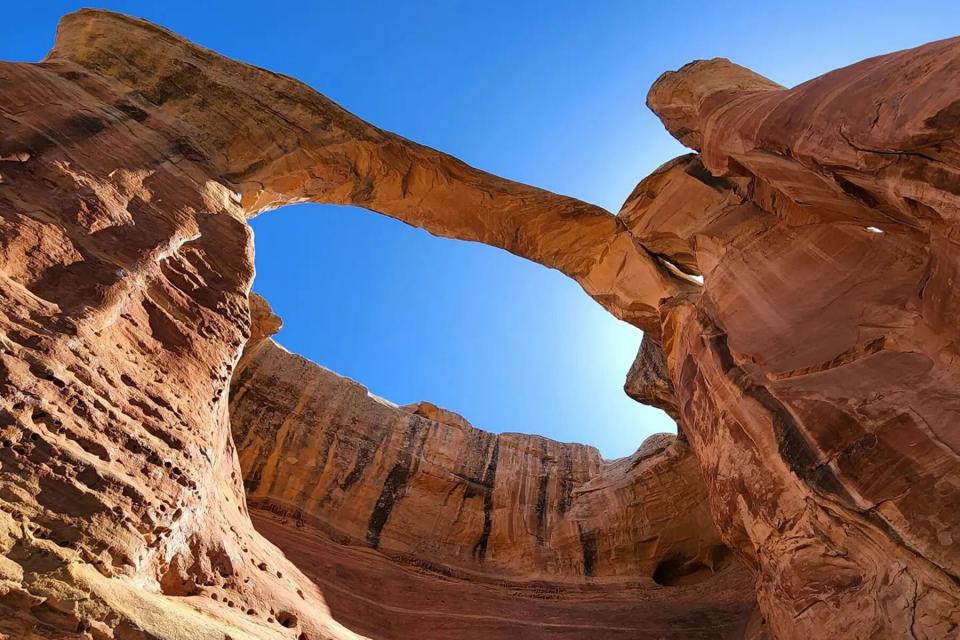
<point>501,536</point>
<point>814,373</point>
<point>648,380</point>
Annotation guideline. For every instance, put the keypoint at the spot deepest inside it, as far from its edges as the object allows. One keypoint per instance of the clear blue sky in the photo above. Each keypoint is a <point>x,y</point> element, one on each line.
<point>549,93</point>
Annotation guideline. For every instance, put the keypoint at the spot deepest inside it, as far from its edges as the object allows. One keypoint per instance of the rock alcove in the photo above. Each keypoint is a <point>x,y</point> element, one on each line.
<point>814,374</point>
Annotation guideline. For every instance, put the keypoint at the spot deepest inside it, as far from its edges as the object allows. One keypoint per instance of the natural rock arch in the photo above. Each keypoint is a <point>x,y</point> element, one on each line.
<point>814,374</point>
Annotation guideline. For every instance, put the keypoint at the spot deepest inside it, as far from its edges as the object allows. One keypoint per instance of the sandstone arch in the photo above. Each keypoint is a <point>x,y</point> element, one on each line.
<point>814,374</point>
<point>295,145</point>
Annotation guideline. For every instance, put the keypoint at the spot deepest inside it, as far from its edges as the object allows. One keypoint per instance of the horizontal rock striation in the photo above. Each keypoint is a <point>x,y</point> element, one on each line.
<point>410,481</point>
<point>383,598</point>
<point>124,272</point>
<point>475,513</point>
<point>814,373</point>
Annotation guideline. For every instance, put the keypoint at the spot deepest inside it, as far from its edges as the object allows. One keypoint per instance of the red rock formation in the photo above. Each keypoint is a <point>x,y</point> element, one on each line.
<point>126,266</point>
<point>123,309</point>
<point>814,374</point>
<point>648,380</point>
<point>294,145</point>
<point>470,517</point>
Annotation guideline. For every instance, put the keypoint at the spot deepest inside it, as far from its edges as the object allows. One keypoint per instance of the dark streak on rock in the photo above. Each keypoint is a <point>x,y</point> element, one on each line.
<point>565,488</point>
<point>393,487</point>
<point>793,446</point>
<point>364,456</point>
<point>489,478</point>
<point>541,506</point>
<point>588,541</point>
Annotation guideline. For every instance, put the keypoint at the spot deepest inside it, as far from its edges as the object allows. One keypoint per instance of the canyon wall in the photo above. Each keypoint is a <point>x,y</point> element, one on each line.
<point>422,482</point>
<point>123,310</point>
<point>459,509</point>
<point>814,373</point>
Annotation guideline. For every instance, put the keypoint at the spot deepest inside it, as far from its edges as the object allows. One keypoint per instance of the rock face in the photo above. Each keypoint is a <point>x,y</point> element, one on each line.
<point>295,145</point>
<point>123,309</point>
<point>648,380</point>
<point>814,373</point>
<point>553,538</point>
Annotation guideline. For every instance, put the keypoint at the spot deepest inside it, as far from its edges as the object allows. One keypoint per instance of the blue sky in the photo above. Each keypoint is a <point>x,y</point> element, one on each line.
<point>549,93</point>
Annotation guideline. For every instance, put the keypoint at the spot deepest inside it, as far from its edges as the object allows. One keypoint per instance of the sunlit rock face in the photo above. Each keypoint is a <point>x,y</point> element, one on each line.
<point>123,310</point>
<point>817,373</point>
<point>814,374</point>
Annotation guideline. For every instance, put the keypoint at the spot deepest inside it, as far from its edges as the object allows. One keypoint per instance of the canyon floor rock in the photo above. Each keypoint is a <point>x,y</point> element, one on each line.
<point>167,471</point>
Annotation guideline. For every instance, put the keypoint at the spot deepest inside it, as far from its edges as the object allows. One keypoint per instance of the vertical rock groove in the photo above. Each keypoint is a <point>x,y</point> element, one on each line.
<point>487,484</point>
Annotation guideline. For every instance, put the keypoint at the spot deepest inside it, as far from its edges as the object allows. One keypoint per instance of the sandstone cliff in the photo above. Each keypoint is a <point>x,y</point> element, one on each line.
<point>552,537</point>
<point>814,373</point>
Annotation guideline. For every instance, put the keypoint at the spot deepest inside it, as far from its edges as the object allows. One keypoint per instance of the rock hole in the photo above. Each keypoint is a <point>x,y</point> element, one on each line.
<point>287,619</point>
<point>678,570</point>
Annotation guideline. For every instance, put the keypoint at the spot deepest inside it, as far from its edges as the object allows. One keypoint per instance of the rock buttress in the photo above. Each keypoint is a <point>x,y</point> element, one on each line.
<point>817,373</point>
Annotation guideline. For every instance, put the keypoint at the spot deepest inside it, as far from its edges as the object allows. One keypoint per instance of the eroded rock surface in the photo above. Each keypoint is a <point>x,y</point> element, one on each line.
<point>814,373</point>
<point>508,535</point>
<point>648,380</point>
<point>123,310</point>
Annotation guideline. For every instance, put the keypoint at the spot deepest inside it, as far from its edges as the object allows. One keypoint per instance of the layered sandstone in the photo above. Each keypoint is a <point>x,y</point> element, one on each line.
<point>814,374</point>
<point>552,538</point>
<point>275,141</point>
<point>123,310</point>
